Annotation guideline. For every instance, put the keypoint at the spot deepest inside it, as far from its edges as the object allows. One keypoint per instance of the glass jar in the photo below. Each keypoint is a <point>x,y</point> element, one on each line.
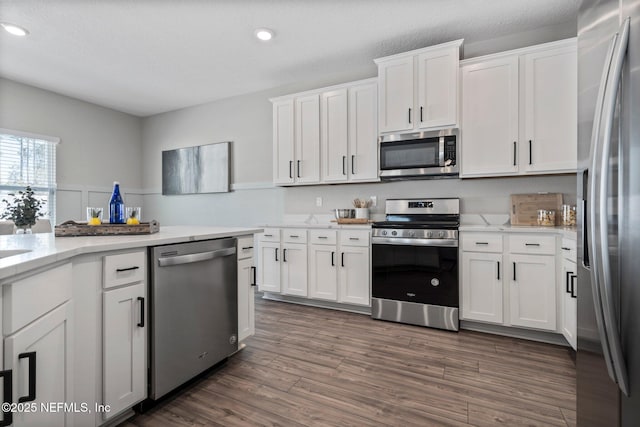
<point>546,218</point>
<point>568,216</point>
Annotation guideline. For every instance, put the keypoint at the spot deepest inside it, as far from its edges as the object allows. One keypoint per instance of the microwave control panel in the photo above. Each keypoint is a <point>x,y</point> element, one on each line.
<point>450,151</point>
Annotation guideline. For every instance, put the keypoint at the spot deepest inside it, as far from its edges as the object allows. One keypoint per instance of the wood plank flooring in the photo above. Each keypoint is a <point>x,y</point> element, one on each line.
<point>308,366</point>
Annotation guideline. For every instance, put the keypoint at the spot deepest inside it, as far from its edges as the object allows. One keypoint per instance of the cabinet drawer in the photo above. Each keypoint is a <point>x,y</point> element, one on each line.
<point>270,235</point>
<point>568,248</point>
<point>245,247</point>
<point>323,237</point>
<point>124,268</point>
<point>487,242</point>
<point>26,300</point>
<point>354,238</point>
<point>532,244</point>
<point>294,235</point>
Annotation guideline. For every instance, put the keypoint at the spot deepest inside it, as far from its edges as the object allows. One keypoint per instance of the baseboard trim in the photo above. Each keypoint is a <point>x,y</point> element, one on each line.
<point>513,332</point>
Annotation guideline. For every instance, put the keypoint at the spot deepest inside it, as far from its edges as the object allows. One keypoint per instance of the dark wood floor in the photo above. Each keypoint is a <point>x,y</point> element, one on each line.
<point>310,366</point>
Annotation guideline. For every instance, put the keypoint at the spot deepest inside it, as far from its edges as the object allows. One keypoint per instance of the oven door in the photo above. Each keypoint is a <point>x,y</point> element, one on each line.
<point>426,272</point>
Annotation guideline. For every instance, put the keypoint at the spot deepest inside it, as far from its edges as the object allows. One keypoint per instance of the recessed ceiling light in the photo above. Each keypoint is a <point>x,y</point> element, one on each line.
<point>264,34</point>
<point>16,30</point>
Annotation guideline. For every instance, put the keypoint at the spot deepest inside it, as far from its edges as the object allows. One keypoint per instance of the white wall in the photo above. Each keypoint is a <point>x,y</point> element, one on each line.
<point>98,145</point>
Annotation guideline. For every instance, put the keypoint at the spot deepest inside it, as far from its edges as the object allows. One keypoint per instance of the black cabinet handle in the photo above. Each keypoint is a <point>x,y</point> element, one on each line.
<point>294,236</point>
<point>7,389</point>
<point>120,270</point>
<point>268,235</point>
<point>567,288</point>
<point>31,357</point>
<point>565,249</point>
<point>529,151</point>
<point>333,261</point>
<point>342,259</point>
<point>482,243</point>
<point>353,164</point>
<point>253,270</point>
<point>291,169</point>
<point>276,254</point>
<point>409,115</point>
<point>514,152</point>
<point>284,255</point>
<point>532,244</point>
<point>141,323</point>
<point>498,270</point>
<point>421,115</point>
<point>514,271</point>
<point>354,238</point>
<point>246,248</point>
<point>344,165</point>
<point>298,168</point>
<point>323,237</point>
<point>573,295</point>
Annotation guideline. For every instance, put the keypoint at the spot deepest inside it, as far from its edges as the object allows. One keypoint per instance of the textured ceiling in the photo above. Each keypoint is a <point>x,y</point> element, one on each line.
<point>149,56</point>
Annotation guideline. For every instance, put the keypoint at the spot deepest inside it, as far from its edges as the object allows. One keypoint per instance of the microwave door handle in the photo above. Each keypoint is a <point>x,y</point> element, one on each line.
<point>441,151</point>
<point>602,286</point>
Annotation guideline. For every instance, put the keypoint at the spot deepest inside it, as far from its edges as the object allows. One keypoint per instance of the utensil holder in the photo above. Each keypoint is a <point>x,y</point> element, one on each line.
<point>362,213</point>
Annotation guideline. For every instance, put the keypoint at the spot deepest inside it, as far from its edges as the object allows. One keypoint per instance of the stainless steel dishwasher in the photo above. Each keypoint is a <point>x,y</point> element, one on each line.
<point>194,310</point>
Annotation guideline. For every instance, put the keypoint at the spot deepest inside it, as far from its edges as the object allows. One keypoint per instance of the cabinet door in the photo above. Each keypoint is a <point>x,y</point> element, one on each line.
<point>46,343</point>
<point>569,300</point>
<point>489,139</point>
<point>246,302</point>
<point>124,352</point>
<point>533,291</point>
<point>363,133</point>
<point>396,102</point>
<point>550,111</point>
<point>334,140</point>
<point>354,273</point>
<point>307,145</point>
<point>438,88</point>
<point>323,274</point>
<point>294,269</point>
<point>269,267</point>
<point>482,292</point>
<point>283,142</point>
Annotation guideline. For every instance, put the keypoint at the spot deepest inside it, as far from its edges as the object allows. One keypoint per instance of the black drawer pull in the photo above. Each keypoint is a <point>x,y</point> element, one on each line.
<point>322,237</point>
<point>31,357</point>
<point>268,235</point>
<point>532,244</point>
<point>141,323</point>
<point>7,388</point>
<point>120,270</point>
<point>294,236</point>
<point>482,243</point>
<point>565,249</point>
<point>354,238</point>
<point>246,248</point>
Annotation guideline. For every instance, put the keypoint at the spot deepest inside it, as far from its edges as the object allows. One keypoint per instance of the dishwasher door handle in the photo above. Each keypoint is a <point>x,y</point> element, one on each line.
<point>201,256</point>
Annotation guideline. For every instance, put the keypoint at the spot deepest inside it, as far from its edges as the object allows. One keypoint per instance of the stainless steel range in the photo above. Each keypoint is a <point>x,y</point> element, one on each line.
<point>415,263</point>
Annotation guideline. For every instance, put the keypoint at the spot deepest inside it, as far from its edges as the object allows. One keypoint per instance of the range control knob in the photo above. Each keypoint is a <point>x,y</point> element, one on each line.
<point>429,234</point>
<point>394,233</point>
<point>441,234</point>
<point>412,234</point>
<point>384,232</point>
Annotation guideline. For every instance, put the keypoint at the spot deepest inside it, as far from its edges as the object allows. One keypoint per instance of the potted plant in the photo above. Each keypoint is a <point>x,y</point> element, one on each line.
<point>23,210</point>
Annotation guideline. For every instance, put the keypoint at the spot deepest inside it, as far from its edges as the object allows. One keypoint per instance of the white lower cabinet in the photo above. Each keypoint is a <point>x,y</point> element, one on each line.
<point>332,265</point>
<point>569,293</point>
<point>246,288</point>
<point>40,357</point>
<point>482,286</point>
<point>124,332</point>
<point>509,279</point>
<point>533,291</point>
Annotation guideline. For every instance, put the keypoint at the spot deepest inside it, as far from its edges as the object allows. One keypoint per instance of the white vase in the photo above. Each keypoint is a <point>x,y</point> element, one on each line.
<point>362,213</point>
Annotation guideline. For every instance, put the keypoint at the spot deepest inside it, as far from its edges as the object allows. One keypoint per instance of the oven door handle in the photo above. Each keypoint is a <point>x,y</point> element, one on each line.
<point>414,242</point>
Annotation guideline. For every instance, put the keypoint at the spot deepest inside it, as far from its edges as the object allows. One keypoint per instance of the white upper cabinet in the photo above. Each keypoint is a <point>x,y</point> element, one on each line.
<point>490,117</point>
<point>329,135</point>
<point>419,89</point>
<point>519,112</point>
<point>550,107</point>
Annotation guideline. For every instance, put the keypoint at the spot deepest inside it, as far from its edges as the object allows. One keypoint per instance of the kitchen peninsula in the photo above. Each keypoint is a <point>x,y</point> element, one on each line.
<point>75,319</point>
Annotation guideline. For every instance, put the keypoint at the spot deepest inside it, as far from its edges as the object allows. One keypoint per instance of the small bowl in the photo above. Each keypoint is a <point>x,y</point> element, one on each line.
<point>345,213</point>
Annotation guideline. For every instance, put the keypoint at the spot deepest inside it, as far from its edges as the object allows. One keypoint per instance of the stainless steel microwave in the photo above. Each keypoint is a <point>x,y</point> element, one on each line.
<point>419,155</point>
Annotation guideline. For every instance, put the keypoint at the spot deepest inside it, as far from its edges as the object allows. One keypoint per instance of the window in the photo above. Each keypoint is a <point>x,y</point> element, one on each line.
<point>29,159</point>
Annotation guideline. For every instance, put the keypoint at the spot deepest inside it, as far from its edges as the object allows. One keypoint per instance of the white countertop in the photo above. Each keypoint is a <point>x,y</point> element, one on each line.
<point>570,233</point>
<point>330,225</point>
<point>45,248</point>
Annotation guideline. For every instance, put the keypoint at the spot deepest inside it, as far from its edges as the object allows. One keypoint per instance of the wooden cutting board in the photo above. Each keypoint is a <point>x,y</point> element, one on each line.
<point>524,207</point>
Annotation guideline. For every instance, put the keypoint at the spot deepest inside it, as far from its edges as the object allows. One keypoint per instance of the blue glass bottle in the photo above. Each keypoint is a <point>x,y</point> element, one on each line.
<point>116,206</point>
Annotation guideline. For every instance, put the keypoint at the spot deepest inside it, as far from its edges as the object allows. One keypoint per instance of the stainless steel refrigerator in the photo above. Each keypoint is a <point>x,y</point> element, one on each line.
<point>608,357</point>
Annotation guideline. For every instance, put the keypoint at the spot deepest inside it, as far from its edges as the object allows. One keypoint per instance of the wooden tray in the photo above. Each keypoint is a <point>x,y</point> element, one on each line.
<point>352,221</point>
<point>72,228</point>
<point>524,207</point>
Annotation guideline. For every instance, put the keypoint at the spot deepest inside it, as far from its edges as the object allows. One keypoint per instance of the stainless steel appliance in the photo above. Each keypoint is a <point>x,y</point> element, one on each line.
<point>193,310</point>
<point>608,357</point>
<point>415,263</point>
<point>419,155</point>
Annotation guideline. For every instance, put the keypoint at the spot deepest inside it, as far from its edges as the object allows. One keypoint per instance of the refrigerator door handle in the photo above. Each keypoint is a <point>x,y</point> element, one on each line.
<point>602,286</point>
